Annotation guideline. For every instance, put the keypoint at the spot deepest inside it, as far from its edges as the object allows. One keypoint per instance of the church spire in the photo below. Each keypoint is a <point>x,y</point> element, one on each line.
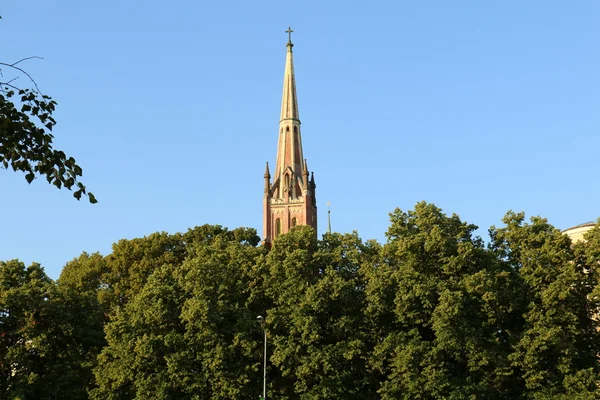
<point>289,151</point>
<point>290,197</point>
<point>289,101</point>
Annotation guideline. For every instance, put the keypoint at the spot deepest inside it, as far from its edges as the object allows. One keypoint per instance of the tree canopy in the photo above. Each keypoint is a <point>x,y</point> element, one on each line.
<point>433,313</point>
<point>49,336</point>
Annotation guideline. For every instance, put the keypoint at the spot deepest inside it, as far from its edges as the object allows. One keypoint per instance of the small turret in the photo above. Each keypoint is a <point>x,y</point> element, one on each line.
<point>305,175</point>
<point>313,191</point>
<point>267,179</point>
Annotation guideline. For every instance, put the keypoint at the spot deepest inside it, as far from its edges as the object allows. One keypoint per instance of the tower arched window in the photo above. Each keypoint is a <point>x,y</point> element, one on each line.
<point>296,130</point>
<point>277,227</point>
<point>294,222</point>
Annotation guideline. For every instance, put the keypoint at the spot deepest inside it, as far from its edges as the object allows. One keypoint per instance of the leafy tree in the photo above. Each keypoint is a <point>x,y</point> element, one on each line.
<point>433,313</point>
<point>220,317</point>
<point>315,323</point>
<point>139,337</point>
<point>49,336</point>
<point>84,273</point>
<point>25,142</point>
<point>127,269</point>
<point>206,234</point>
<point>556,354</point>
<point>190,331</point>
<point>587,255</point>
<point>438,306</point>
<point>123,273</point>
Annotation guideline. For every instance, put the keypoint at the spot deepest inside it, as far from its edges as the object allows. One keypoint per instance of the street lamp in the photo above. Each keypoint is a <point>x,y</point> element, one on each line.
<point>261,321</point>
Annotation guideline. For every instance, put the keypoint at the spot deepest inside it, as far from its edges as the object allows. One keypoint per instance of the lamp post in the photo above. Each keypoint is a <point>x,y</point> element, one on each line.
<point>261,321</point>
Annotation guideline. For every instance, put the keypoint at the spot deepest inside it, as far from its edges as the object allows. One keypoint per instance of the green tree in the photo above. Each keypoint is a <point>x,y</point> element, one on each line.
<point>433,313</point>
<point>556,354</point>
<point>84,273</point>
<point>587,257</point>
<point>123,273</point>
<point>315,324</point>
<point>25,139</point>
<point>126,270</point>
<point>190,331</point>
<point>437,306</point>
<point>49,336</point>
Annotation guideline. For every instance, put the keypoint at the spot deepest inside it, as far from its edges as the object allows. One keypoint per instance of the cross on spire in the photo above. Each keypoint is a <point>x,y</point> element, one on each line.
<point>289,32</point>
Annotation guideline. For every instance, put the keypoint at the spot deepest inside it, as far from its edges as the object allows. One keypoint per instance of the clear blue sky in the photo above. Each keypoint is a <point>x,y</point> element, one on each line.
<point>172,110</point>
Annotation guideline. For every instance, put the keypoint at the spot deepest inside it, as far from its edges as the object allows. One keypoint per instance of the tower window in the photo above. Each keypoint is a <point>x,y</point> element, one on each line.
<point>277,227</point>
<point>294,222</point>
<point>296,130</point>
<point>287,128</point>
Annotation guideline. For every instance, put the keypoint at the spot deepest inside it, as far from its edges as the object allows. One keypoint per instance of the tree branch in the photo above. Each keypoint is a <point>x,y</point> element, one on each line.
<point>23,71</point>
<point>7,84</point>
<point>25,59</point>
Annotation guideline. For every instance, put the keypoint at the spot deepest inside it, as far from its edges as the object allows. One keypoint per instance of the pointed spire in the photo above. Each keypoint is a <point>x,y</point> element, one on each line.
<point>289,101</point>
<point>328,217</point>
<point>305,182</point>
<point>289,153</point>
<point>267,180</point>
<point>289,199</point>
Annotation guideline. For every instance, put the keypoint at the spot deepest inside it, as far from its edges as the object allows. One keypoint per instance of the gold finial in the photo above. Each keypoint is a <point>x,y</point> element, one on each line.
<point>289,32</point>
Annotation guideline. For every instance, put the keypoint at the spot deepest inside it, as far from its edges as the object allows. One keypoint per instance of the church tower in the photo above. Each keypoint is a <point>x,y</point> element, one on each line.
<point>289,199</point>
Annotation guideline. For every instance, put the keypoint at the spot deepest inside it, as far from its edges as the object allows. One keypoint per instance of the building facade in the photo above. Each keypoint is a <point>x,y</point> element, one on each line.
<point>289,198</point>
<point>577,232</point>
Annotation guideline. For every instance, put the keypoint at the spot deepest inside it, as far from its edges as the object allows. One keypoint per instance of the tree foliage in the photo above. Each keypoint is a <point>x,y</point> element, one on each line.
<point>25,140</point>
<point>433,313</point>
<point>316,291</point>
<point>439,307</point>
<point>49,336</point>
<point>190,331</point>
<point>556,354</point>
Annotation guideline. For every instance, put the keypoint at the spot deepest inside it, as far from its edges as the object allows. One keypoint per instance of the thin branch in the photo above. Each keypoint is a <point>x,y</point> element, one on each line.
<point>24,72</point>
<point>27,58</point>
<point>9,85</point>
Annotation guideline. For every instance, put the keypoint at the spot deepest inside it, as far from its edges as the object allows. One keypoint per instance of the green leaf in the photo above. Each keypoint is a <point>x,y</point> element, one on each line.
<point>30,177</point>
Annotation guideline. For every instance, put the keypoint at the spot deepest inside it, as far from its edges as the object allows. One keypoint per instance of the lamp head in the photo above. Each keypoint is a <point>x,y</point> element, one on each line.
<point>260,319</point>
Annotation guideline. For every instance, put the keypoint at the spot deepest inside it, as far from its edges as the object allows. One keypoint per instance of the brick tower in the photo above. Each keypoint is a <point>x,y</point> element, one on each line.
<point>289,200</point>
